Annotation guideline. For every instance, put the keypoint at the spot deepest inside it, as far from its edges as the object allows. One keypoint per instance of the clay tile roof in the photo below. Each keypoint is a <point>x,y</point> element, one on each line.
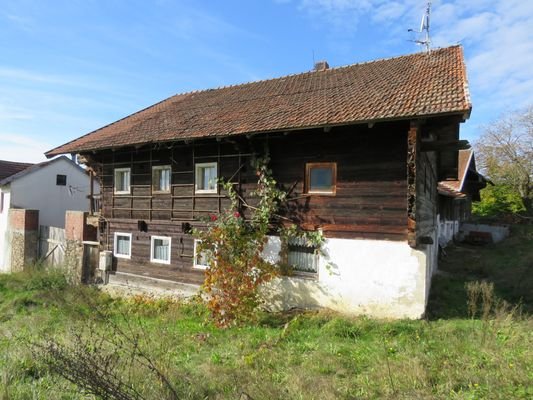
<point>419,84</point>
<point>454,188</point>
<point>8,168</point>
<point>450,189</point>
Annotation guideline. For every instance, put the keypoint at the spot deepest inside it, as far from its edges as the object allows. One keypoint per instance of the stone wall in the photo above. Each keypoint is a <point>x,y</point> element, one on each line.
<point>22,239</point>
<point>77,231</point>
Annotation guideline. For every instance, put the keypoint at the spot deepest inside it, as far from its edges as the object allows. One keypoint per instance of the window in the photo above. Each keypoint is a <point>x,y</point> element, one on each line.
<point>160,249</point>
<point>200,259</point>
<point>122,245</point>
<point>302,257</point>
<point>1,202</point>
<point>321,178</point>
<point>122,180</point>
<point>61,180</point>
<point>161,176</point>
<point>206,178</point>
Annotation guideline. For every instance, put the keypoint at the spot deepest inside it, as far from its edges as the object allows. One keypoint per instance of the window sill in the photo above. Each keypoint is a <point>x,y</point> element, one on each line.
<point>160,262</point>
<point>322,193</point>
<point>125,257</point>
<point>206,192</point>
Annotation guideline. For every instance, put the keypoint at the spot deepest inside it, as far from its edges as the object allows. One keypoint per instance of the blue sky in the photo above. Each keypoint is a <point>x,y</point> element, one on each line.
<point>69,67</point>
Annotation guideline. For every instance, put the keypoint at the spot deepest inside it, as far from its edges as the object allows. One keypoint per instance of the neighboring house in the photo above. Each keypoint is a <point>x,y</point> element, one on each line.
<point>456,196</point>
<point>360,148</point>
<point>52,187</point>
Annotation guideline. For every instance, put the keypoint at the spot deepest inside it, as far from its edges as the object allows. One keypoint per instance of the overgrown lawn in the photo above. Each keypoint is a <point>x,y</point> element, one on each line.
<point>311,355</point>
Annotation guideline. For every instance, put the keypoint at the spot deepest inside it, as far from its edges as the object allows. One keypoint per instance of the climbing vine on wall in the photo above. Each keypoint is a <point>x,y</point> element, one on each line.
<point>233,245</point>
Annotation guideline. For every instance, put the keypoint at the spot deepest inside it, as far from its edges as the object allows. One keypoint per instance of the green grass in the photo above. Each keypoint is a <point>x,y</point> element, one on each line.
<point>313,355</point>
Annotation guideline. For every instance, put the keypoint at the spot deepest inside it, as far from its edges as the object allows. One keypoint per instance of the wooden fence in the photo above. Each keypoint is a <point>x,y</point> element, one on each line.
<point>52,243</point>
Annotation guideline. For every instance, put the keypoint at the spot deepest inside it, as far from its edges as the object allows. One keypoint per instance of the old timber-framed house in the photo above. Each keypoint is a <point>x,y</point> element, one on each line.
<point>360,148</point>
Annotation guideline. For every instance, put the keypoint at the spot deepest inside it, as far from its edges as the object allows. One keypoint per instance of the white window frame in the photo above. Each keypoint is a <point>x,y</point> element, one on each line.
<point>157,260</point>
<point>115,252</point>
<point>197,168</point>
<point>161,168</point>
<point>118,170</point>
<point>195,265</point>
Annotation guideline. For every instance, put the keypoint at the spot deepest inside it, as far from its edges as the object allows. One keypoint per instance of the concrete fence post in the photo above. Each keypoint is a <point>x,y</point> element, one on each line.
<point>22,238</point>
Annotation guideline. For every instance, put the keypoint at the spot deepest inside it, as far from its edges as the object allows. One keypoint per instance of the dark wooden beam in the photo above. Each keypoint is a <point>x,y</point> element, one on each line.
<point>445,145</point>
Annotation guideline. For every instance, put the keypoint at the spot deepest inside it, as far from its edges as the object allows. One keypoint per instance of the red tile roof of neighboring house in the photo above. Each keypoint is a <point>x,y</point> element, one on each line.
<point>454,188</point>
<point>8,168</point>
<point>414,85</point>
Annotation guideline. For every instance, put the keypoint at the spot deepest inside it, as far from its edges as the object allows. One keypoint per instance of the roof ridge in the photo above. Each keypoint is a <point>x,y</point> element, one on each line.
<point>331,69</point>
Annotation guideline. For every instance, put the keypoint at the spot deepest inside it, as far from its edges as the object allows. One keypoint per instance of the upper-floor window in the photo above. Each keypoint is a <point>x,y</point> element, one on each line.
<point>321,178</point>
<point>161,177</point>
<point>206,178</point>
<point>61,180</point>
<point>122,180</point>
<point>122,245</point>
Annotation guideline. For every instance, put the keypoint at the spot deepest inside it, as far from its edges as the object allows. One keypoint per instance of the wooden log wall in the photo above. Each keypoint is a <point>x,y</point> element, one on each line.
<point>370,200</point>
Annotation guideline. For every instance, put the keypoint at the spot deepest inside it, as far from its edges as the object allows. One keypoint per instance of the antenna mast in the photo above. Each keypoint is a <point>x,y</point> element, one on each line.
<point>424,27</point>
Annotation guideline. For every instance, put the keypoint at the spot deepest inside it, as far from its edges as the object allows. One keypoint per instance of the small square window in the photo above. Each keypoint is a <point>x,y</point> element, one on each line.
<point>122,245</point>
<point>122,180</point>
<point>161,177</point>
<point>61,180</point>
<point>160,249</point>
<point>200,259</point>
<point>302,257</point>
<point>321,178</point>
<point>206,178</point>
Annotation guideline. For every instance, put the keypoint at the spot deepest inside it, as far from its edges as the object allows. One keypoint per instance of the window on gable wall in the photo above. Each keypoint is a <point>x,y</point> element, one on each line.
<point>122,245</point>
<point>206,178</point>
<point>321,178</point>
<point>301,256</point>
<point>122,180</point>
<point>161,177</point>
<point>61,180</point>
<point>160,249</point>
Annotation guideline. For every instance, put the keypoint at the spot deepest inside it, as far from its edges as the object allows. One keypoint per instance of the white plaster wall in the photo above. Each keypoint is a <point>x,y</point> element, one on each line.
<point>383,279</point>
<point>499,232</point>
<point>3,228</point>
<point>448,229</point>
<point>38,191</point>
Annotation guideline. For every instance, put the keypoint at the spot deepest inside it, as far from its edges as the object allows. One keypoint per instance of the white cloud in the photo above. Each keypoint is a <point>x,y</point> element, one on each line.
<point>17,147</point>
<point>496,34</point>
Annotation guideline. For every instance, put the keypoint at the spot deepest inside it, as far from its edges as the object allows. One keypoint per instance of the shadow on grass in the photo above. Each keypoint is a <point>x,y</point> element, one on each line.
<point>508,264</point>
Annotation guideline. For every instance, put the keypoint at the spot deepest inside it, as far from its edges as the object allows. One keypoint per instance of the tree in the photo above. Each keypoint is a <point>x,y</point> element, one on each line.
<point>505,154</point>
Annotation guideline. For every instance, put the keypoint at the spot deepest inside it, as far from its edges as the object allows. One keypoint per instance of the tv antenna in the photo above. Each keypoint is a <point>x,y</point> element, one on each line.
<point>424,27</point>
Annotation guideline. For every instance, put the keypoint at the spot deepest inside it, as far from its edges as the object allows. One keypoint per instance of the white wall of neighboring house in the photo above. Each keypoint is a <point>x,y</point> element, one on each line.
<point>3,224</point>
<point>38,191</point>
<point>378,278</point>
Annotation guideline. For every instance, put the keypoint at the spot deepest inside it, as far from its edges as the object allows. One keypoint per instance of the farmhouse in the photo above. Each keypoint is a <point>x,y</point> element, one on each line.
<point>360,149</point>
<point>51,188</point>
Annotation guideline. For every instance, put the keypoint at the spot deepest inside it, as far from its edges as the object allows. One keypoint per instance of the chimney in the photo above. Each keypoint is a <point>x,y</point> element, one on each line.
<point>321,65</point>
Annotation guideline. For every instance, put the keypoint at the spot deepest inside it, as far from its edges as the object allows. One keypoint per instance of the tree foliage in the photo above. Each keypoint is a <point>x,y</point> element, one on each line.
<point>233,247</point>
<point>498,200</point>
<point>505,154</point>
